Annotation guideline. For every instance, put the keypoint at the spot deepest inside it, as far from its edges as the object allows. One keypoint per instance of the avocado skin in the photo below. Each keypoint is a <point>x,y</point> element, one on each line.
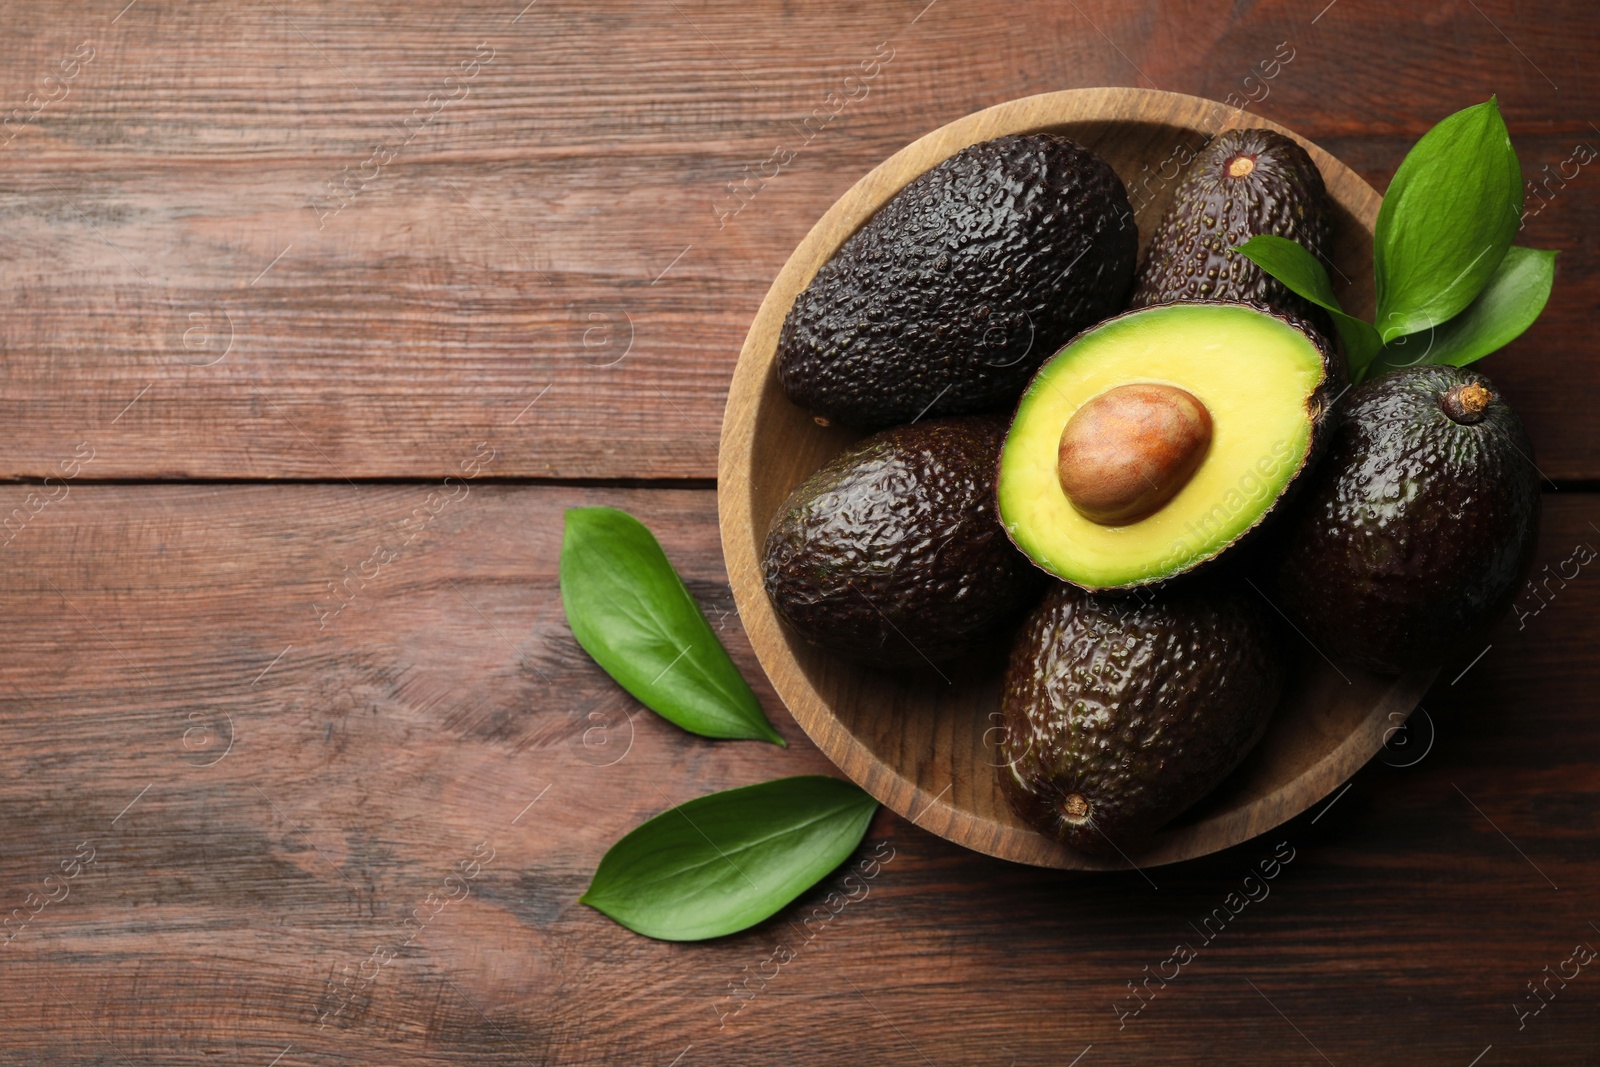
<point>1417,530</point>
<point>1141,705</point>
<point>892,554</point>
<point>1191,257</point>
<point>950,296</point>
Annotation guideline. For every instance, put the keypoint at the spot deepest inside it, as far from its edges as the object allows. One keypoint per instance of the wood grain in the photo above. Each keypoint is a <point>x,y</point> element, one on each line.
<point>227,901</point>
<point>172,304</point>
<point>557,226</point>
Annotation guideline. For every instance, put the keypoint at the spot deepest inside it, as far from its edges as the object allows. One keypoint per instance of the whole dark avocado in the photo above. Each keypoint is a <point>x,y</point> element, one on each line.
<point>892,553</point>
<point>953,293</point>
<point>1120,713</point>
<point>1243,184</point>
<point>1419,525</point>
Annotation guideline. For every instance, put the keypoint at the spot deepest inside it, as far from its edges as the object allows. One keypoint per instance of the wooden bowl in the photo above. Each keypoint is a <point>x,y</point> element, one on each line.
<point>927,748</point>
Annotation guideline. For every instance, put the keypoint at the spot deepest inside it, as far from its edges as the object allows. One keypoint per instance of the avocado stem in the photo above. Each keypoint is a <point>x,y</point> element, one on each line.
<point>1466,404</point>
<point>1075,808</point>
<point>1240,166</point>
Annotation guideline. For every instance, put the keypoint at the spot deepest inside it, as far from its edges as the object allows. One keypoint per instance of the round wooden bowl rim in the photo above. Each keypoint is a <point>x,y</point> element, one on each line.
<point>737,458</point>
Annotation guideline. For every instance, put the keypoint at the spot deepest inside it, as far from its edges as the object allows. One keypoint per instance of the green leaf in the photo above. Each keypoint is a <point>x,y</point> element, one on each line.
<point>724,862</point>
<point>1446,221</point>
<point>630,611</point>
<point>1508,305</point>
<point>1295,266</point>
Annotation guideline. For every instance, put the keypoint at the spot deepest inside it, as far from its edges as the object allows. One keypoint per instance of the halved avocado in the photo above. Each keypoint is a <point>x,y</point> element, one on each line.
<point>1111,478</point>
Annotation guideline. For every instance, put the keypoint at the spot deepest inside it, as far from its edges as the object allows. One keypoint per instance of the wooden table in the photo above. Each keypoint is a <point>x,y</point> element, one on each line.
<point>274,270</point>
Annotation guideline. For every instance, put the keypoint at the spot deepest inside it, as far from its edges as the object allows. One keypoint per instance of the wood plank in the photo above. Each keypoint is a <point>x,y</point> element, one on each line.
<point>173,236</point>
<point>232,887</point>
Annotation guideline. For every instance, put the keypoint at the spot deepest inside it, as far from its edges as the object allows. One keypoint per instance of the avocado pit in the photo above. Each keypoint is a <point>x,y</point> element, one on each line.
<point>1128,451</point>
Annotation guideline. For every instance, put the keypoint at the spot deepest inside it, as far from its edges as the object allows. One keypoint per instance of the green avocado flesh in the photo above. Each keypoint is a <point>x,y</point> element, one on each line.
<point>1262,382</point>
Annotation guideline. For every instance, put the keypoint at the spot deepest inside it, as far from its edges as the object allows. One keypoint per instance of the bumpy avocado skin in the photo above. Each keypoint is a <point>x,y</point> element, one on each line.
<point>1190,258</point>
<point>1417,529</point>
<point>950,296</point>
<point>892,554</point>
<point>1139,705</point>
